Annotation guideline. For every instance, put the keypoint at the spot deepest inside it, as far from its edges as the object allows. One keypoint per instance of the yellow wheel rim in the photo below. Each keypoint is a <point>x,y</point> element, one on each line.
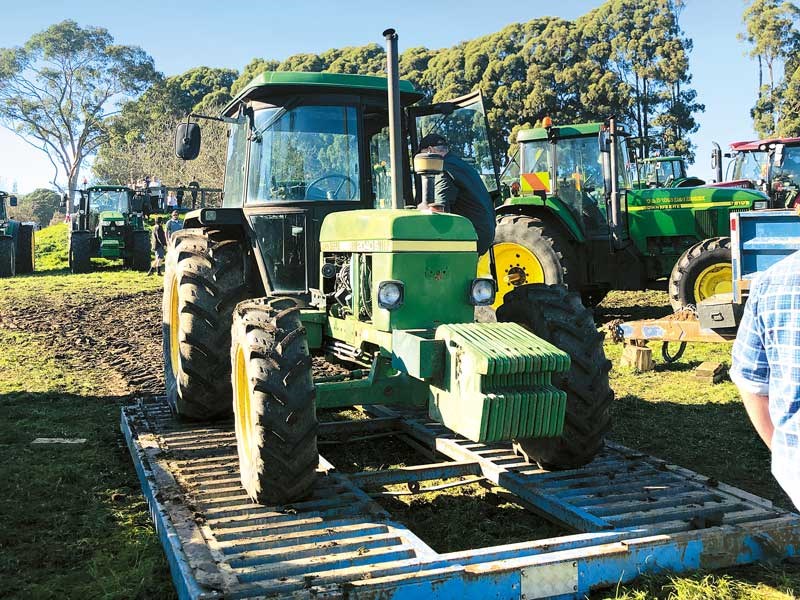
<point>515,265</point>
<point>241,395</point>
<point>174,328</point>
<point>712,280</point>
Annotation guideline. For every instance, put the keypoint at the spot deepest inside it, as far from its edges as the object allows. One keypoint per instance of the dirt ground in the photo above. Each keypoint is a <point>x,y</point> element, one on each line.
<point>120,334</point>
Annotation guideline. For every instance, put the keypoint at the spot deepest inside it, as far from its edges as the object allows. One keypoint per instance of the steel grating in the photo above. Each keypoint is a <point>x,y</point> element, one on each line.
<point>631,513</point>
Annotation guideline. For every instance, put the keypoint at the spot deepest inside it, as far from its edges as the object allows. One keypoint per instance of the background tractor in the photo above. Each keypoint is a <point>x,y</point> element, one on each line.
<point>576,219</point>
<point>319,284</point>
<point>16,241</point>
<point>772,165</point>
<point>662,172</point>
<point>107,223</point>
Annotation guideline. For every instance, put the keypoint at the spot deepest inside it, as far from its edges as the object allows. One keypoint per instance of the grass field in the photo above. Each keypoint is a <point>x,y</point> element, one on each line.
<point>74,347</point>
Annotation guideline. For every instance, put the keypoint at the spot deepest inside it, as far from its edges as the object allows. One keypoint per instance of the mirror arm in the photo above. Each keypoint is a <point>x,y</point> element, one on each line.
<point>210,118</point>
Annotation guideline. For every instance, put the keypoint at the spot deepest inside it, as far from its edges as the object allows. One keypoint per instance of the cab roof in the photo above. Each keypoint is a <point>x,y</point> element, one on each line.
<point>108,188</point>
<point>283,82</point>
<point>653,159</point>
<point>755,145</point>
<point>563,131</point>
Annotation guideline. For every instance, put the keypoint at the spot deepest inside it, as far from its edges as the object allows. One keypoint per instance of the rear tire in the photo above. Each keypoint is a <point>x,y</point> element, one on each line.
<point>709,259</point>
<point>205,278</point>
<point>25,250</point>
<point>7,256</point>
<point>80,251</point>
<point>273,401</point>
<point>558,316</point>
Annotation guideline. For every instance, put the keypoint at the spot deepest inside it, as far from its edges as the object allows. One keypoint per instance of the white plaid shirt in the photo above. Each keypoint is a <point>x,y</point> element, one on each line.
<point>766,361</point>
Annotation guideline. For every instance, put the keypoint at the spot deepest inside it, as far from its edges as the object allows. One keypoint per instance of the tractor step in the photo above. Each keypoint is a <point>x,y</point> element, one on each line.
<point>631,513</point>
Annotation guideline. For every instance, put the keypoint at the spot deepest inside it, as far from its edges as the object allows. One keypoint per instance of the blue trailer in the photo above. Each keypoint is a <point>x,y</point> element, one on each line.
<point>759,239</point>
<point>626,514</point>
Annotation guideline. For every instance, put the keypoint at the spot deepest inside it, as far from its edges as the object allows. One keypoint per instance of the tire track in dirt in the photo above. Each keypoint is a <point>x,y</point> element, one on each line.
<point>119,333</point>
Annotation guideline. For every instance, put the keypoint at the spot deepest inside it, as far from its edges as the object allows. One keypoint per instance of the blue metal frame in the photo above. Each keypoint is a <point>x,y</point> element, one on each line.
<point>633,514</point>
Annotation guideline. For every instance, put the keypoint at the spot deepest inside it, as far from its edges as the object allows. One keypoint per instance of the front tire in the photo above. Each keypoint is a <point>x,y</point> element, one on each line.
<point>205,278</point>
<point>702,271</point>
<point>7,256</point>
<point>273,401</point>
<point>554,314</point>
<point>80,251</point>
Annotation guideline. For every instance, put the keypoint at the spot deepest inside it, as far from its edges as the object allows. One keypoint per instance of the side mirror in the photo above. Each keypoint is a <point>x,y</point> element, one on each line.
<point>604,141</point>
<point>187,141</point>
<point>64,200</point>
<point>12,200</point>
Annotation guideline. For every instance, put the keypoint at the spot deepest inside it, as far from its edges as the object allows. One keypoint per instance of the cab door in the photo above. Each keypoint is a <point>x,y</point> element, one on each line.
<point>463,123</point>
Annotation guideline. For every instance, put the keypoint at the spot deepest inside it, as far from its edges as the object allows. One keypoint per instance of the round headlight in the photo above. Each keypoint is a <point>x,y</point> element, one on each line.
<point>390,294</point>
<point>482,292</point>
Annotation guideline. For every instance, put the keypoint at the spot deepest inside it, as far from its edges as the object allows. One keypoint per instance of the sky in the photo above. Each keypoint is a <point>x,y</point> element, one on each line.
<point>217,34</point>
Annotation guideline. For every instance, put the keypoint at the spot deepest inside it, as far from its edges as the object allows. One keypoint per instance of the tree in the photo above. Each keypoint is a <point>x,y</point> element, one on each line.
<point>58,90</point>
<point>40,206</point>
<point>641,43</point>
<point>141,136</point>
<point>770,30</point>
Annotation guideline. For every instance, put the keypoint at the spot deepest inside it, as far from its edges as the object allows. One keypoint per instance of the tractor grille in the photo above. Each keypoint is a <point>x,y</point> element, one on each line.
<point>707,223</point>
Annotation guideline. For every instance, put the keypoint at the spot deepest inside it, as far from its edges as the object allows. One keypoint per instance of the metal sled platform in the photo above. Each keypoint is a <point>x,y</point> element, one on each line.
<point>631,514</point>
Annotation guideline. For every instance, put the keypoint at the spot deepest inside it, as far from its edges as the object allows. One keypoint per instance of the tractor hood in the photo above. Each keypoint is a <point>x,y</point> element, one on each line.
<point>111,215</point>
<point>692,197</point>
<point>380,230</point>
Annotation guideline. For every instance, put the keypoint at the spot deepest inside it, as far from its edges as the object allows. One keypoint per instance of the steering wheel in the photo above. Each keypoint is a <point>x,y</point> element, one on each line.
<point>322,194</point>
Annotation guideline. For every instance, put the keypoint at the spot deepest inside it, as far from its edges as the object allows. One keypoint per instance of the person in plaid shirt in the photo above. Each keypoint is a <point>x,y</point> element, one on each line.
<point>766,367</point>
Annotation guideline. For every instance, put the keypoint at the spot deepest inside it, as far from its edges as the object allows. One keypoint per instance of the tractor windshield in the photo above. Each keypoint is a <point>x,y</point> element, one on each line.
<point>658,172</point>
<point>578,171</point>
<point>3,215</point>
<point>108,200</point>
<point>788,173</point>
<point>750,165</point>
<point>304,153</point>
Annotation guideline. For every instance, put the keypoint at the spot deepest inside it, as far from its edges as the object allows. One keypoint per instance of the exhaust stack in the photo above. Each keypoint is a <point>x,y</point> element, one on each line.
<point>395,136</point>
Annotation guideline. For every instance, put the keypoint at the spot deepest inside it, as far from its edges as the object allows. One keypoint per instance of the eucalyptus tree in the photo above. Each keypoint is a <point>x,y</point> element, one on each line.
<point>58,90</point>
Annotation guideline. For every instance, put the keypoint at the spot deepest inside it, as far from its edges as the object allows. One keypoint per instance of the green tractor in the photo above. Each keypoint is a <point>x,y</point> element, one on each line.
<point>107,223</point>
<point>320,285</point>
<point>16,241</point>
<point>575,218</point>
<point>662,172</point>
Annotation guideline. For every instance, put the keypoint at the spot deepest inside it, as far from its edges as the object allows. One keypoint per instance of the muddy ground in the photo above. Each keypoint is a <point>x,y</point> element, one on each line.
<point>120,335</point>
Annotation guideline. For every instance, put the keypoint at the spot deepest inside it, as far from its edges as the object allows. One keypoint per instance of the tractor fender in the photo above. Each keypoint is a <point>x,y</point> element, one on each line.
<point>552,209</point>
<point>214,217</point>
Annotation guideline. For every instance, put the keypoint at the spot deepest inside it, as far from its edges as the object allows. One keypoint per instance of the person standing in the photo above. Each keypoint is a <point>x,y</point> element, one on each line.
<point>159,243</point>
<point>462,191</point>
<point>156,193</point>
<point>179,195</point>
<point>172,201</point>
<point>173,225</point>
<point>765,363</point>
<point>194,187</point>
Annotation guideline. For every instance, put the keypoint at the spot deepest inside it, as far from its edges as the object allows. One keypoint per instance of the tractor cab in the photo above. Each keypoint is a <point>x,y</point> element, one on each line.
<point>3,210</point>
<point>784,173</point>
<point>305,145</point>
<point>564,168</point>
<point>16,241</point>
<point>6,200</point>
<point>662,171</point>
